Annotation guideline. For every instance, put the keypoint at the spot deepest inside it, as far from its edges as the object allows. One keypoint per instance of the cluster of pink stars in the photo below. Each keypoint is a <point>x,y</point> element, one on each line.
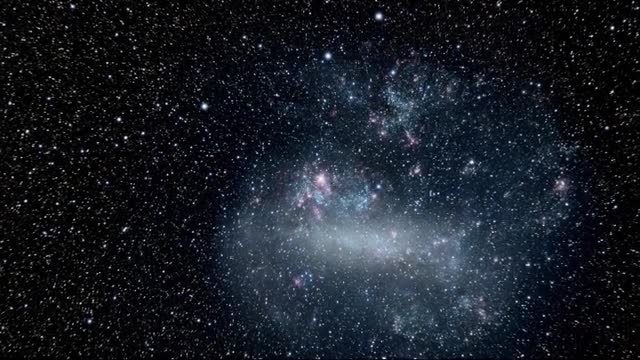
<point>415,170</point>
<point>561,185</point>
<point>319,187</point>
<point>412,141</point>
<point>321,182</point>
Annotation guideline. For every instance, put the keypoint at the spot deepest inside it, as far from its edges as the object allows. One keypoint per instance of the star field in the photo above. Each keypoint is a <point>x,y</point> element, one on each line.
<point>319,179</point>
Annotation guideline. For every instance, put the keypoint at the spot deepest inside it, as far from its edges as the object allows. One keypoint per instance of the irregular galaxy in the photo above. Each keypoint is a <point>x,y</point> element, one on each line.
<point>423,239</point>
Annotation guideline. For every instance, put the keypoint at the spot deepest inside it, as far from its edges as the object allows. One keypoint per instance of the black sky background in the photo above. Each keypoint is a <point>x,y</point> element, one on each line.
<point>124,232</point>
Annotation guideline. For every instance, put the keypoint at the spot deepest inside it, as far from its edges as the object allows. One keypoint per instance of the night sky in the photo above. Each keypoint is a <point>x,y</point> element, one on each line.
<point>320,179</point>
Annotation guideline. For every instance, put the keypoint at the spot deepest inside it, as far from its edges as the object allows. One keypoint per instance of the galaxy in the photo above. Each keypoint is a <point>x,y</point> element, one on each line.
<point>320,179</point>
